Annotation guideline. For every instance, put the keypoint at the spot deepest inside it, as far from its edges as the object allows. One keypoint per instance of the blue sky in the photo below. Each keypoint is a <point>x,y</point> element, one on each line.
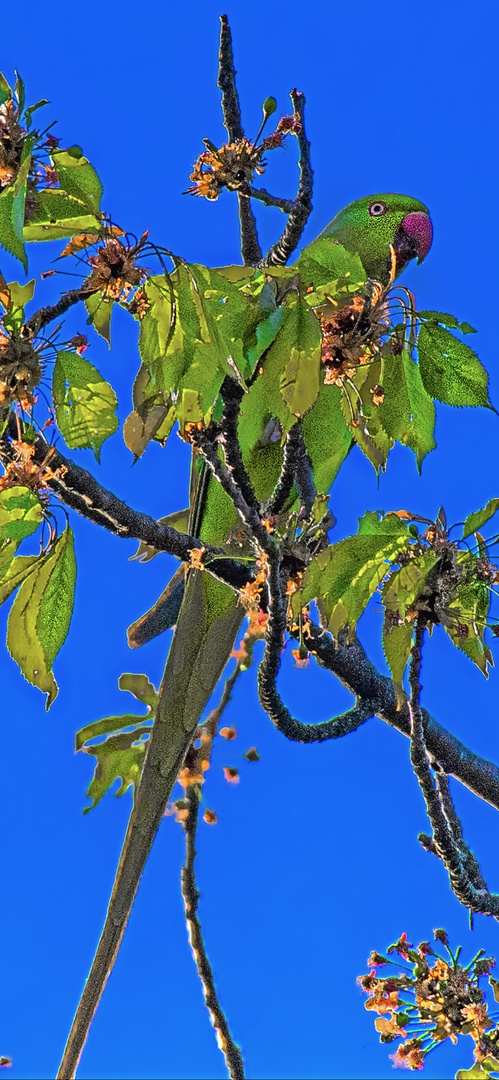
<point>315,859</point>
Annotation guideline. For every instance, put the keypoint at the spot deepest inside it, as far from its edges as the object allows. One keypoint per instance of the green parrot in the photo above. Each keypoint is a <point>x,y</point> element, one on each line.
<point>207,614</point>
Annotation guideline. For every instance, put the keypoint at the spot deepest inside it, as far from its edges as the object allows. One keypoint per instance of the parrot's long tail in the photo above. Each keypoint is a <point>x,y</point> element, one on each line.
<point>198,654</point>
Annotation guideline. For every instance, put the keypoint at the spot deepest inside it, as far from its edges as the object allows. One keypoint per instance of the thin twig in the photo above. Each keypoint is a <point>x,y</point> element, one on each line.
<point>279,253</point>
<point>190,894</point>
<point>250,248</point>
<point>448,841</point>
<point>286,205</point>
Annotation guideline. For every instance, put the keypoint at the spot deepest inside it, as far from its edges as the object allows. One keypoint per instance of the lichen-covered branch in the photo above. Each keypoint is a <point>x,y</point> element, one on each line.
<point>46,315</point>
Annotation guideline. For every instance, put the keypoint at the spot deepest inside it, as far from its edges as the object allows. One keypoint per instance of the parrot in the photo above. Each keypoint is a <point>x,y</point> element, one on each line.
<point>207,615</point>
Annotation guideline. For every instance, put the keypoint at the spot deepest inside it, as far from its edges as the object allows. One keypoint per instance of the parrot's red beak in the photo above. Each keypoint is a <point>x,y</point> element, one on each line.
<point>413,238</point>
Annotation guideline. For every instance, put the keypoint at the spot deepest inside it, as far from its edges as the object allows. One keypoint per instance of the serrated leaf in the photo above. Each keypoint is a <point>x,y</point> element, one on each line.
<point>15,572</point>
<point>266,332</point>
<point>345,612</point>
<point>299,383</point>
<point>406,584</point>
<point>119,757</point>
<point>326,436</point>
<point>397,642</point>
<point>407,412</point>
<point>40,615</point>
<point>99,315</point>
<point>57,215</point>
<point>449,321</point>
<point>332,572</point>
<point>12,201</point>
<point>57,602</point>
<point>140,687</point>
<point>479,518</point>
<point>325,260</point>
<point>366,427</point>
<point>84,403</point>
<point>451,372</point>
<point>470,609</point>
<point>20,513</point>
<point>78,177</point>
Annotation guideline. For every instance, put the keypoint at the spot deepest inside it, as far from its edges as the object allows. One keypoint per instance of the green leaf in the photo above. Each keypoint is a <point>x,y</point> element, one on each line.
<point>20,295</point>
<point>40,616</point>
<point>140,687</point>
<point>324,260</point>
<point>299,382</point>
<point>5,90</point>
<point>84,403</point>
<point>119,757</point>
<point>420,432</point>
<point>108,725</point>
<point>57,602</point>
<point>33,108</point>
<point>99,315</point>
<point>266,332</point>
<point>397,642</point>
<point>372,524</point>
<point>366,427</point>
<point>449,321</point>
<point>326,436</point>
<point>12,201</point>
<point>407,413</point>
<point>14,574</point>
<point>138,433</point>
<point>475,522</point>
<point>189,410</point>
<point>450,370</point>
<point>19,93</point>
<point>346,573</point>
<point>470,609</point>
<point>58,215</point>
<point>78,177</point>
<point>20,513</point>
<point>405,585</point>
<point>478,1071</point>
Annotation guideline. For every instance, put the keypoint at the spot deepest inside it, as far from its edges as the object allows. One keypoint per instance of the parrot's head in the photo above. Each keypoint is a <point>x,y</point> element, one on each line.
<point>369,225</point>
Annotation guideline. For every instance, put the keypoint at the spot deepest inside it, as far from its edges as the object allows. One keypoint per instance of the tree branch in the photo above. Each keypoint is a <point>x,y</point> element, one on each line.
<point>250,248</point>
<point>279,253</point>
<point>190,894</point>
<point>79,490</point>
<point>448,841</point>
<point>45,315</point>
<point>351,665</point>
<point>286,205</point>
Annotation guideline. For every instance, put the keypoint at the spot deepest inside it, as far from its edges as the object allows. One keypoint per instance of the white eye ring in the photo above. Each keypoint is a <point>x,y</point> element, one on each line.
<point>376,209</point>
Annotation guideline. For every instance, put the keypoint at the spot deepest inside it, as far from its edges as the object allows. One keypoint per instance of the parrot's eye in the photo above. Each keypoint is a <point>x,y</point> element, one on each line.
<point>376,209</point>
